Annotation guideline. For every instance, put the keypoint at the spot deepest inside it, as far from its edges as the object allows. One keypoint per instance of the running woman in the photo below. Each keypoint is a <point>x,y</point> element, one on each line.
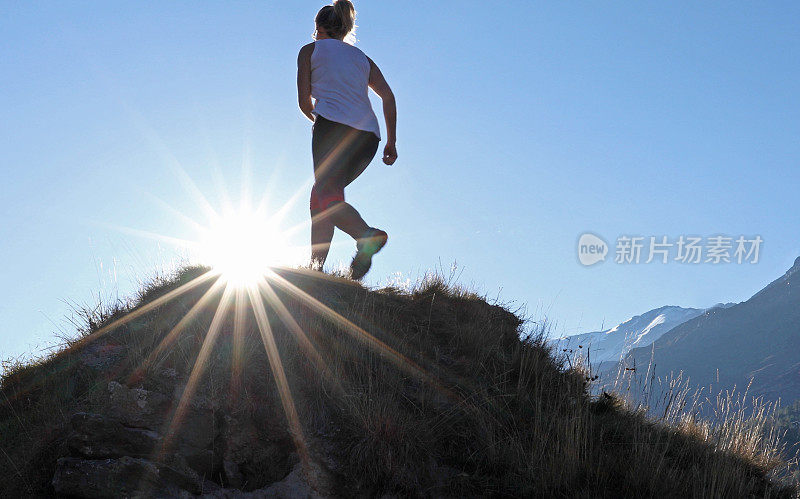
<point>333,81</point>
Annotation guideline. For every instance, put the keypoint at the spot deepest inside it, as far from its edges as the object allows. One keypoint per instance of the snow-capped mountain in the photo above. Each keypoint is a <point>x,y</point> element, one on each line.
<point>755,343</point>
<point>613,344</point>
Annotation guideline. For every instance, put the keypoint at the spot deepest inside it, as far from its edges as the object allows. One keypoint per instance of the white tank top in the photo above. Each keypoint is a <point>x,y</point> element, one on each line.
<point>339,83</point>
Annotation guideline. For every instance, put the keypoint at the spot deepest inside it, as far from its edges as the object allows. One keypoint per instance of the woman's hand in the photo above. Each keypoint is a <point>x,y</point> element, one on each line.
<point>389,153</point>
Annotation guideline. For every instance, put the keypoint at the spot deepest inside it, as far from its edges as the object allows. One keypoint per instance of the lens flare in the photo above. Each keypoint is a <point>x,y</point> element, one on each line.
<point>242,246</point>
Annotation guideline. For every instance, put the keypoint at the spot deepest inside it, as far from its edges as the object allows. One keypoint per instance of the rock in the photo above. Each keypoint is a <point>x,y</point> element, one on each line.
<point>177,471</point>
<point>137,407</point>
<point>261,453</point>
<point>234,477</point>
<point>312,483</point>
<point>123,477</point>
<point>203,461</point>
<point>195,433</point>
<point>100,355</point>
<point>197,430</point>
<point>96,436</point>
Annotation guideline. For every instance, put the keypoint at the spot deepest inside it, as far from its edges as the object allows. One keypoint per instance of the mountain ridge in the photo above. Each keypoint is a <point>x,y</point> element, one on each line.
<point>609,346</point>
<point>757,339</point>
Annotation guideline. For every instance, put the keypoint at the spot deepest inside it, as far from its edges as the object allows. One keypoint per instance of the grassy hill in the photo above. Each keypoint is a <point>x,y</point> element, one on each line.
<point>317,386</point>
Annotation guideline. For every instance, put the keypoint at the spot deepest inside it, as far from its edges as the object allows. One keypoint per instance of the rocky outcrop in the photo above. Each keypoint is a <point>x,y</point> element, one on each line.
<point>123,477</point>
<point>124,452</point>
<point>95,436</point>
<point>308,482</point>
<point>138,407</point>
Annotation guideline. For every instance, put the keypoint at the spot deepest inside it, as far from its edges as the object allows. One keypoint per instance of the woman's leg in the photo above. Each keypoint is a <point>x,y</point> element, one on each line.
<point>369,240</point>
<point>323,141</point>
<point>363,146</point>
<point>340,155</point>
<point>329,210</point>
<point>321,236</point>
<point>348,219</point>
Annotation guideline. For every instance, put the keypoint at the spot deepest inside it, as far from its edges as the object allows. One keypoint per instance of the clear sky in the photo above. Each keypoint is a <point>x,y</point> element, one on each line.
<point>521,126</point>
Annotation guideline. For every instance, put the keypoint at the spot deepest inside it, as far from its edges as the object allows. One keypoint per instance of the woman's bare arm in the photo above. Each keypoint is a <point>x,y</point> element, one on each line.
<point>304,80</point>
<point>378,84</point>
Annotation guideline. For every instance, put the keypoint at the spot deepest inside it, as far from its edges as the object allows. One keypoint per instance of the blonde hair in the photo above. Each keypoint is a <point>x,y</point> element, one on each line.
<point>338,20</point>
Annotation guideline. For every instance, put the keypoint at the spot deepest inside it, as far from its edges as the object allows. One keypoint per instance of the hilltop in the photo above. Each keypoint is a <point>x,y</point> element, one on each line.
<point>316,386</point>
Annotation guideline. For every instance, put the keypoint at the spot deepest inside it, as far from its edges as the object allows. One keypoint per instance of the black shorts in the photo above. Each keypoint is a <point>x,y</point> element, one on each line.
<point>341,153</point>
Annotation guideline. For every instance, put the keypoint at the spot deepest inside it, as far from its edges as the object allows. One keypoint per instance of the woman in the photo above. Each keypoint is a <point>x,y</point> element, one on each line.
<point>345,134</point>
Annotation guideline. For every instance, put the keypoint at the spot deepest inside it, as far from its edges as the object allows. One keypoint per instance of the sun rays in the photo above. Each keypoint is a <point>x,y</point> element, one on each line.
<point>252,308</point>
<point>243,292</point>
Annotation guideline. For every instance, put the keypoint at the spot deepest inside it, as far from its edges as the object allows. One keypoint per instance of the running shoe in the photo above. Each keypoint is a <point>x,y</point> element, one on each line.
<point>371,243</point>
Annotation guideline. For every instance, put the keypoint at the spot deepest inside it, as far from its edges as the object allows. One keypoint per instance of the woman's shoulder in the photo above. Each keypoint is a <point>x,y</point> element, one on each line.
<point>304,55</point>
<point>333,46</point>
<point>341,45</point>
<point>357,53</point>
<point>354,48</point>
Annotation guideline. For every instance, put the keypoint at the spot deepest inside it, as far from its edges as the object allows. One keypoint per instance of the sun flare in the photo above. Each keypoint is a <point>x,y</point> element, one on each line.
<point>250,258</point>
<point>242,246</point>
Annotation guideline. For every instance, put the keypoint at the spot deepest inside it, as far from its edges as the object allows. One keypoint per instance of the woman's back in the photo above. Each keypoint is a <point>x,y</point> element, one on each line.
<point>339,83</point>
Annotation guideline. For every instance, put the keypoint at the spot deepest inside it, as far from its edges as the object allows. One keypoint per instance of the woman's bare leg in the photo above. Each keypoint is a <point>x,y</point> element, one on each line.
<point>321,236</point>
<point>347,218</point>
<point>341,215</point>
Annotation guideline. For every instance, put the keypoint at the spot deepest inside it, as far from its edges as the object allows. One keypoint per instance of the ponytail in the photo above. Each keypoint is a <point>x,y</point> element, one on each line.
<point>338,20</point>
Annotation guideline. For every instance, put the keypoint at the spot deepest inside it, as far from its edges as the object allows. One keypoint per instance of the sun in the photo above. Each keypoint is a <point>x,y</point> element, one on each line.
<point>241,246</point>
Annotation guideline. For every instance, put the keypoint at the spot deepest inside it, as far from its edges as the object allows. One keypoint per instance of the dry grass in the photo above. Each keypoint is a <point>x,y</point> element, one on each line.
<point>729,420</point>
<point>491,411</point>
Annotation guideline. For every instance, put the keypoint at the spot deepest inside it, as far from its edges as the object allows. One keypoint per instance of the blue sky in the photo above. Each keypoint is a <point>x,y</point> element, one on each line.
<point>521,126</point>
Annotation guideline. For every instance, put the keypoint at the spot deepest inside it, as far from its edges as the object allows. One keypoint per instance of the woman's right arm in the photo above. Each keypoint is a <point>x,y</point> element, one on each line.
<point>304,80</point>
<point>378,84</point>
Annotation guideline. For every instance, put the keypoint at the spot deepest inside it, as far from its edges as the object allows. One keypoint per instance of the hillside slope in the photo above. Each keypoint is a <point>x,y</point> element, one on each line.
<point>315,386</point>
<point>758,339</point>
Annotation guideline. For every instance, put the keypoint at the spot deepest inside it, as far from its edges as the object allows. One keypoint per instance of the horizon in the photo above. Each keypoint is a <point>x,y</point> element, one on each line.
<point>615,121</point>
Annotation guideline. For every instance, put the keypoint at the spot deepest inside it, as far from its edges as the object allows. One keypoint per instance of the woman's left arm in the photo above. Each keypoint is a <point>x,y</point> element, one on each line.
<point>304,80</point>
<point>378,84</point>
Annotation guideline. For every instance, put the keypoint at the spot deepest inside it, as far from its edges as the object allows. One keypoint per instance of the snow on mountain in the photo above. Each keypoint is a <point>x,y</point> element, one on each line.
<point>613,344</point>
